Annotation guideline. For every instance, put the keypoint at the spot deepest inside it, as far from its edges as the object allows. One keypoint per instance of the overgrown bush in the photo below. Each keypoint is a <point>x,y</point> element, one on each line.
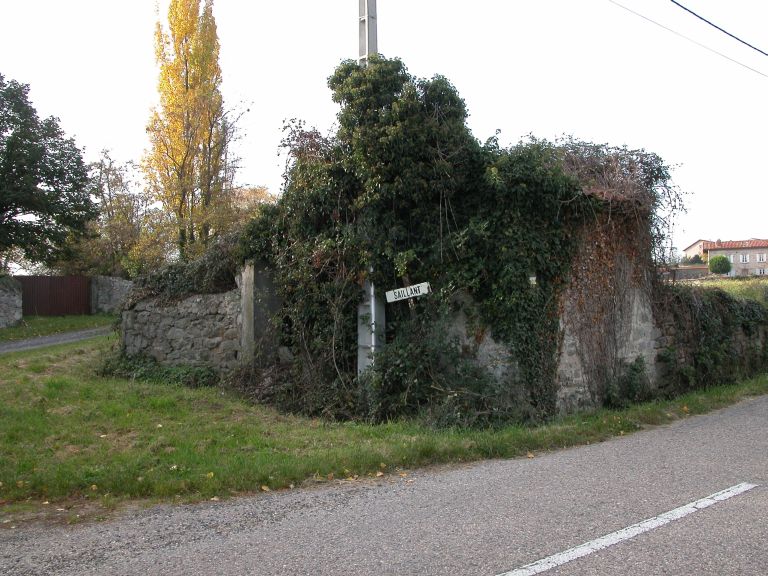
<point>403,193</point>
<point>718,339</point>
<point>213,272</point>
<point>147,369</point>
<point>631,387</point>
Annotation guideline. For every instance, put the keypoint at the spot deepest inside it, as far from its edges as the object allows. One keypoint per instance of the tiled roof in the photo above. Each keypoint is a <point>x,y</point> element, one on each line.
<point>735,244</point>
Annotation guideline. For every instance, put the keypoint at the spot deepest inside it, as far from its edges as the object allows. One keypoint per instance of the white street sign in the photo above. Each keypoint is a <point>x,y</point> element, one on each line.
<point>408,292</point>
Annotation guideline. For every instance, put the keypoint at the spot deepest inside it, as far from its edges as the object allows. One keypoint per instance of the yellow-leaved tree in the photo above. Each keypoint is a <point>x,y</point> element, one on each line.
<point>188,167</point>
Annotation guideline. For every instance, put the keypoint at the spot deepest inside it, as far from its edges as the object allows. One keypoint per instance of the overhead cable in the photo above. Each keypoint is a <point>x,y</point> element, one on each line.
<point>718,27</point>
<point>689,39</point>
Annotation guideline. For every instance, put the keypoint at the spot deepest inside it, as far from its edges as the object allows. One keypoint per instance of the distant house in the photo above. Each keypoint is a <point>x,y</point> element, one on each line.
<point>747,257</point>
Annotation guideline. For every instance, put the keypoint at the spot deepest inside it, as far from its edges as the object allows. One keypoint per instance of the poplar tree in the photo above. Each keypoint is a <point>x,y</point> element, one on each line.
<point>187,166</point>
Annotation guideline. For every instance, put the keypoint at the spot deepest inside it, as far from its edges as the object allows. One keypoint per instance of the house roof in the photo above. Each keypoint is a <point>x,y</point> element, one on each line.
<point>735,244</point>
<point>694,244</point>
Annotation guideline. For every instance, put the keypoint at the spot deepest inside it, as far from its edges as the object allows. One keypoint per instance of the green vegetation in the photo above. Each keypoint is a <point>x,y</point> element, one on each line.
<point>34,326</point>
<point>719,265</point>
<point>68,435</point>
<point>44,194</point>
<point>715,338</point>
<point>404,193</point>
<point>755,288</point>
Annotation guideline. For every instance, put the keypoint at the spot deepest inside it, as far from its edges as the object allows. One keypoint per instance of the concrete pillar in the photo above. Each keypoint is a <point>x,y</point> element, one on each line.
<point>247,332</point>
<point>370,327</point>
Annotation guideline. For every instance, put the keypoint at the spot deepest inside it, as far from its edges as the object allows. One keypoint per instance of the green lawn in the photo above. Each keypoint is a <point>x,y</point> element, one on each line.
<point>67,434</point>
<point>33,326</point>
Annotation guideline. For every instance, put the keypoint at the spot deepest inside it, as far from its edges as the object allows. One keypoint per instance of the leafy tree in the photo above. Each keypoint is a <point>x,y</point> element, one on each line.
<point>44,198</point>
<point>719,265</point>
<point>189,168</point>
<point>114,242</point>
<point>695,259</point>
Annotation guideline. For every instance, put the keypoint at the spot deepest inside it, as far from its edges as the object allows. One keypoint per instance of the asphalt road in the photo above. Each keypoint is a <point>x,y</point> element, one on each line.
<point>483,519</point>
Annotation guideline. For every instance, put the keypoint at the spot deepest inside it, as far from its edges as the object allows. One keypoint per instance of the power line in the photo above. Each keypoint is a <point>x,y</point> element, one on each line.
<point>689,39</point>
<point>718,27</point>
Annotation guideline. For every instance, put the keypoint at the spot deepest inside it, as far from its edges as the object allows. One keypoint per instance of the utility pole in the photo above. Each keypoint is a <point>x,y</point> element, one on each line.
<point>368,37</point>
<point>370,313</point>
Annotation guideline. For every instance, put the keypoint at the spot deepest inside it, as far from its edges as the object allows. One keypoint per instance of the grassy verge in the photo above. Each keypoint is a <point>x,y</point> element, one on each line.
<point>67,434</point>
<point>755,288</point>
<point>34,326</point>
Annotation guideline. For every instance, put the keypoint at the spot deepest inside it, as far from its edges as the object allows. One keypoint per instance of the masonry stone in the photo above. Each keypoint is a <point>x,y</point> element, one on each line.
<point>10,302</point>
<point>108,294</point>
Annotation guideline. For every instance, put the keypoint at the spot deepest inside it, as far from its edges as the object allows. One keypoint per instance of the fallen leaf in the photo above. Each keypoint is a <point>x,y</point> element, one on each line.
<point>265,488</point>
<point>209,475</point>
<point>530,455</point>
<point>94,487</point>
<point>379,474</point>
<point>330,476</point>
<point>403,474</point>
<point>382,465</point>
<point>215,499</point>
<point>159,425</point>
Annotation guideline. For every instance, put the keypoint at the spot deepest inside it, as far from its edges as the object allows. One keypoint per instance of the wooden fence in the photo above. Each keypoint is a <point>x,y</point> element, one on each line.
<point>55,295</point>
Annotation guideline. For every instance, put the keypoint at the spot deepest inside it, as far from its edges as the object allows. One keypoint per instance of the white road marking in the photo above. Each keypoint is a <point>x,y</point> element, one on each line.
<point>626,533</point>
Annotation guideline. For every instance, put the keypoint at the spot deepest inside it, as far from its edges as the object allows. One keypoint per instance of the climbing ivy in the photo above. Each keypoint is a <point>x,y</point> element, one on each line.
<point>403,193</point>
<point>714,338</point>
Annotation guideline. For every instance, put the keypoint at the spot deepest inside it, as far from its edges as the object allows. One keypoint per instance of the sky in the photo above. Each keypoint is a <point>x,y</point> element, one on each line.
<point>592,69</point>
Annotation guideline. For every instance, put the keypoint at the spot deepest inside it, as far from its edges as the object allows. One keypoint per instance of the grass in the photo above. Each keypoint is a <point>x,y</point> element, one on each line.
<point>68,435</point>
<point>34,326</point>
<point>753,288</point>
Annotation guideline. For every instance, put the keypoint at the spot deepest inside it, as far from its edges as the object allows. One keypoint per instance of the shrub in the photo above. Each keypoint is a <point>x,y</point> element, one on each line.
<point>719,265</point>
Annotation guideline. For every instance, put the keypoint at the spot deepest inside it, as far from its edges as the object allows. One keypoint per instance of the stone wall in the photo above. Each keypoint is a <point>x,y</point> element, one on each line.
<point>218,331</point>
<point>10,302</point>
<point>687,273</point>
<point>108,294</point>
<point>590,359</point>
<point>201,330</point>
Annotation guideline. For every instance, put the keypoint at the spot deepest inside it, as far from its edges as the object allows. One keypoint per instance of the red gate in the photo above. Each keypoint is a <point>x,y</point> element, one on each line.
<point>55,295</point>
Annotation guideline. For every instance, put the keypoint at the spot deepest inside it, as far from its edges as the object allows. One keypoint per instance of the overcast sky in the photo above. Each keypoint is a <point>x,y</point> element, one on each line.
<point>587,68</point>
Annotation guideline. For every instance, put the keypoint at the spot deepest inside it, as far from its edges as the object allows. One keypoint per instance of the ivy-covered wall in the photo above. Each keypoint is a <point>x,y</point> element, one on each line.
<point>403,193</point>
<point>541,257</point>
<point>708,337</point>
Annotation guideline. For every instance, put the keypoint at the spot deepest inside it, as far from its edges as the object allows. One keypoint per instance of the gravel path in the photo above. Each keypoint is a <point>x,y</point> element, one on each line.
<point>63,338</point>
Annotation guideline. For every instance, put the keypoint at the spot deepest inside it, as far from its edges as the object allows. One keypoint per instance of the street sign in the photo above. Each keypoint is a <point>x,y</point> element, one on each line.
<point>408,292</point>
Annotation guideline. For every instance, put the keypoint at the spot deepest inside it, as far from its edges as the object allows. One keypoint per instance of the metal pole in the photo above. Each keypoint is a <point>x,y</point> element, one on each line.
<point>372,308</point>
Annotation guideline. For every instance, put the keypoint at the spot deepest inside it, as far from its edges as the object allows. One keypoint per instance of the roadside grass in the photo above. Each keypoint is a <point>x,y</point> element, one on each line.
<point>753,288</point>
<point>68,435</point>
<point>34,326</point>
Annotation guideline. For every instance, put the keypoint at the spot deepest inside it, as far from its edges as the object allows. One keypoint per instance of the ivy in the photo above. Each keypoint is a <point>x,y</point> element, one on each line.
<point>715,338</point>
<point>403,193</point>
